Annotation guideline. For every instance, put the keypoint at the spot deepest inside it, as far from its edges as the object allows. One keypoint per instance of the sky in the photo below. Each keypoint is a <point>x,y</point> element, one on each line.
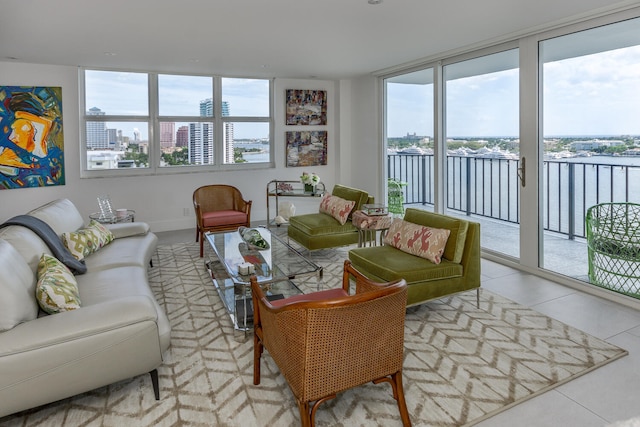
<point>127,94</point>
<point>595,94</point>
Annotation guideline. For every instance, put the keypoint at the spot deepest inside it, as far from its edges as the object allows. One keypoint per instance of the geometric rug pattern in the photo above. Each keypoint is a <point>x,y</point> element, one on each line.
<point>462,363</point>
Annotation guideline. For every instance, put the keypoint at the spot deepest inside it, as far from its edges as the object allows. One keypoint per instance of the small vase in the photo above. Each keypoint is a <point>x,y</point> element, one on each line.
<point>308,188</point>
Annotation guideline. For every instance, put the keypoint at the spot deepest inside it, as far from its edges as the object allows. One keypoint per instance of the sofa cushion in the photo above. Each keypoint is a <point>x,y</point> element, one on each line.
<point>218,218</point>
<point>455,244</point>
<point>337,207</point>
<point>61,215</point>
<point>348,193</point>
<point>18,285</point>
<point>57,289</point>
<point>27,243</point>
<point>419,240</point>
<point>398,264</point>
<point>133,250</point>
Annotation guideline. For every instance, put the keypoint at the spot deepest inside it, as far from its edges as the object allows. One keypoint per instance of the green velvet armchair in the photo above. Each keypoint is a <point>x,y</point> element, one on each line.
<point>458,271</point>
<point>321,231</point>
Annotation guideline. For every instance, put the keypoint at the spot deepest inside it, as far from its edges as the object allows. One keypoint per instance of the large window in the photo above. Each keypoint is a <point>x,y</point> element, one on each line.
<point>409,136</point>
<point>149,123</point>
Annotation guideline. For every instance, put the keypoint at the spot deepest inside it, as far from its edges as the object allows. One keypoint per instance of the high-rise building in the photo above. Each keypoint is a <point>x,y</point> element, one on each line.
<point>97,138</point>
<point>227,136</point>
<point>182,136</point>
<point>207,110</point>
<point>200,143</point>
<point>167,134</point>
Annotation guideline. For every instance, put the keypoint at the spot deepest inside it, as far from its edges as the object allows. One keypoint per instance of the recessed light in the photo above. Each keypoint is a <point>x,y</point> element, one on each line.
<point>374,1</point>
<point>194,60</point>
<point>110,53</point>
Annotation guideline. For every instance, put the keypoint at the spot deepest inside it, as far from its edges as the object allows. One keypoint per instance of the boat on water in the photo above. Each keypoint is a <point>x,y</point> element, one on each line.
<point>416,151</point>
<point>495,153</point>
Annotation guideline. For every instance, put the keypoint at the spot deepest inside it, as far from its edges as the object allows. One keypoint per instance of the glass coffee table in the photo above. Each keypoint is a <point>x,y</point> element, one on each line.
<point>274,267</point>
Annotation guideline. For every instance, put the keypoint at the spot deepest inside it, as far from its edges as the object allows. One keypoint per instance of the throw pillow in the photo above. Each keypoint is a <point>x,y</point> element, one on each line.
<point>86,241</point>
<point>425,242</point>
<point>56,289</point>
<point>336,207</point>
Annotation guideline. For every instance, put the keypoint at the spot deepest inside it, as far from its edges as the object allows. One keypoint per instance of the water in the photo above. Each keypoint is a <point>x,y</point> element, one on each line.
<point>255,157</point>
<point>494,187</point>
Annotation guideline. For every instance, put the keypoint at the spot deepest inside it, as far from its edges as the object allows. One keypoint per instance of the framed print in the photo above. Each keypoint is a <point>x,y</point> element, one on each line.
<point>306,148</point>
<point>31,139</point>
<point>306,107</point>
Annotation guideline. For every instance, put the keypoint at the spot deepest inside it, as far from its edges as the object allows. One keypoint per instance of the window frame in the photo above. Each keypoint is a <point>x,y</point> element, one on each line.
<point>154,119</point>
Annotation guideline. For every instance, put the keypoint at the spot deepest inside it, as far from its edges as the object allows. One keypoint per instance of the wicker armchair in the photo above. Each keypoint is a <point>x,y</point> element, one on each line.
<point>329,341</point>
<point>219,208</point>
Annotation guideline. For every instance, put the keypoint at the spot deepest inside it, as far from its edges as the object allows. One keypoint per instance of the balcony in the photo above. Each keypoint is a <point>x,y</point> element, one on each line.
<point>487,189</point>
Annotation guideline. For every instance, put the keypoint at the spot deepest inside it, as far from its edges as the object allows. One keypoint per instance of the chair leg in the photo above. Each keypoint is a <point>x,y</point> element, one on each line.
<point>201,245</point>
<point>257,354</point>
<point>305,415</point>
<point>399,395</point>
<point>156,385</point>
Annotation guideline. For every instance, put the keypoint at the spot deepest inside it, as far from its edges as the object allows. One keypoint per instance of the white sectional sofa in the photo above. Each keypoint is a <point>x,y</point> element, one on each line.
<point>118,332</point>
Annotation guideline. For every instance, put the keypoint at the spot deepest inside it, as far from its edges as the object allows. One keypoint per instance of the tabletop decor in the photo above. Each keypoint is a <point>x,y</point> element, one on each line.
<point>310,181</point>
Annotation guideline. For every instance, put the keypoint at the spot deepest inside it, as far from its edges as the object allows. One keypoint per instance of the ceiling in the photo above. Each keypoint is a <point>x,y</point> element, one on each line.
<point>325,39</point>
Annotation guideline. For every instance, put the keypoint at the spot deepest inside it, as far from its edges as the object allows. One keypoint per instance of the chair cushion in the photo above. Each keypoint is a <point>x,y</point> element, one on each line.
<point>398,264</point>
<point>18,284</point>
<point>218,218</point>
<point>57,289</point>
<point>425,242</point>
<point>337,207</point>
<point>319,224</point>
<point>312,296</point>
<point>455,244</point>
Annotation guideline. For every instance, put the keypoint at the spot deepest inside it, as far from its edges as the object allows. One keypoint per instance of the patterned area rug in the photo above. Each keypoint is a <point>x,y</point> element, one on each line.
<point>462,364</point>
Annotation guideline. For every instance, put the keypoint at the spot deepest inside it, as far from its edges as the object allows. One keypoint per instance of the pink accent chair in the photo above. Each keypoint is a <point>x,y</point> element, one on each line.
<point>219,208</point>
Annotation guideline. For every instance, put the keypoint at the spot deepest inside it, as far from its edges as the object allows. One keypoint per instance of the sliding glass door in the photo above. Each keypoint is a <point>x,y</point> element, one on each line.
<point>590,135</point>
<point>482,145</point>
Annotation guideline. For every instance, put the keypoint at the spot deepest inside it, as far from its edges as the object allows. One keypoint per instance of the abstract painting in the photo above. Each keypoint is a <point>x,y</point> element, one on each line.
<point>306,107</point>
<point>306,148</point>
<point>31,138</point>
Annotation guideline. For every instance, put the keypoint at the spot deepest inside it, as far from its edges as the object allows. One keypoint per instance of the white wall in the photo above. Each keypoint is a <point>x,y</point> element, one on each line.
<point>160,200</point>
<point>366,134</point>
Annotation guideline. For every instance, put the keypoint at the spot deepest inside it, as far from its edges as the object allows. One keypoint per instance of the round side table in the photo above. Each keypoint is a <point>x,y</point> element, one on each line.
<point>368,227</point>
<point>113,219</point>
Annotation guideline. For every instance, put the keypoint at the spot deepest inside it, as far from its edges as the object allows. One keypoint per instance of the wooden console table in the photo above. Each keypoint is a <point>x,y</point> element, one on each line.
<point>280,188</point>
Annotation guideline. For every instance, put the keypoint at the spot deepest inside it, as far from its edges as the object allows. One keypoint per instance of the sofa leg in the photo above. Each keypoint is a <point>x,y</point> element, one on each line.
<point>478,297</point>
<point>154,381</point>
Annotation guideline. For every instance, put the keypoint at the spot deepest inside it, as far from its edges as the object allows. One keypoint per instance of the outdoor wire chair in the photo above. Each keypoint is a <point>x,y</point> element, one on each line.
<point>613,240</point>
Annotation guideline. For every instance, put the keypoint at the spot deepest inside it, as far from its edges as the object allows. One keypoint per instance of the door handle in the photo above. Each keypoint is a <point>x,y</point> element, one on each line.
<point>522,170</point>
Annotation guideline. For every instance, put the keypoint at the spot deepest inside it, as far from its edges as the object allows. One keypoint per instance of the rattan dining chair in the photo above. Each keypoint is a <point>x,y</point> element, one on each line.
<point>329,341</point>
<point>219,208</point>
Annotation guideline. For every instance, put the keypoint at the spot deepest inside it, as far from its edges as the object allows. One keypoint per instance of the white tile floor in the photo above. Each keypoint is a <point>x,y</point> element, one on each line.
<point>604,396</point>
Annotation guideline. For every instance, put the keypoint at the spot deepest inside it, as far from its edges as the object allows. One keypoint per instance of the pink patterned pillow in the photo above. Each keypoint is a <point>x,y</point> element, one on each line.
<point>425,242</point>
<point>336,207</point>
